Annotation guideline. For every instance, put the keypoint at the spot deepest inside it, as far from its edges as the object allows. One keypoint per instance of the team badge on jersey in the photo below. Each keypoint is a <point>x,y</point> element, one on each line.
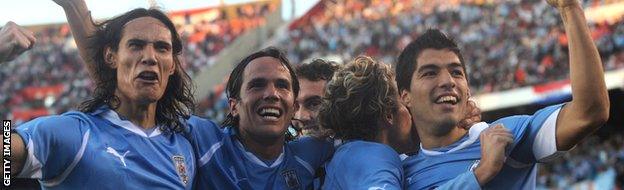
<point>291,179</point>
<point>180,165</point>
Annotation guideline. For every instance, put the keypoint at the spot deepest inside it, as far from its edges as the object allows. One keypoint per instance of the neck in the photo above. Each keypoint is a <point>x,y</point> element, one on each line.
<point>429,139</point>
<point>400,143</point>
<point>140,114</point>
<point>267,149</point>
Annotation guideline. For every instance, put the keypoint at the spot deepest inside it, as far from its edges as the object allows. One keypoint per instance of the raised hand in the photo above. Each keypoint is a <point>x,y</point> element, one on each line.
<point>66,2</point>
<point>14,40</point>
<point>563,3</point>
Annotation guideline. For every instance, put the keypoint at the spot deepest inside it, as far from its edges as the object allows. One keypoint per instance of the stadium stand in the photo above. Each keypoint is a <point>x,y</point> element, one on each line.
<point>506,46</point>
<point>50,78</point>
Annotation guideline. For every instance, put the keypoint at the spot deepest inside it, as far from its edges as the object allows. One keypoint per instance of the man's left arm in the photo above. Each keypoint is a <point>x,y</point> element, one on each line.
<point>589,108</point>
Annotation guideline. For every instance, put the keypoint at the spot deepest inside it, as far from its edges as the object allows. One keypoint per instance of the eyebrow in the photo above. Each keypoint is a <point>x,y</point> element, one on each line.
<point>428,67</point>
<point>454,65</point>
<point>435,67</point>
<point>283,80</point>
<point>257,80</point>
<point>157,42</point>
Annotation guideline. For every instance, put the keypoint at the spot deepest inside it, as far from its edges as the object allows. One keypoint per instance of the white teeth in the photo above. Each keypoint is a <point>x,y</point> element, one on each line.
<point>270,117</point>
<point>447,99</point>
<point>271,111</point>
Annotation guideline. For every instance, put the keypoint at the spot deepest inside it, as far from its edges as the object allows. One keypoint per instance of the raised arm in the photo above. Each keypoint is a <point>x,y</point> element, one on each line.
<point>14,40</point>
<point>589,108</point>
<point>82,27</point>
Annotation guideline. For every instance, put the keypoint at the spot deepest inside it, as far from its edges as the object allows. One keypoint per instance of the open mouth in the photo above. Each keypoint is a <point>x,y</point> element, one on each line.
<point>270,113</point>
<point>447,99</point>
<point>148,76</point>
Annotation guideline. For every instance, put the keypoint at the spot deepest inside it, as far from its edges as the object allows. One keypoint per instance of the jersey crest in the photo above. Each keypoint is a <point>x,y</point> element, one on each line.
<point>291,179</point>
<point>180,165</point>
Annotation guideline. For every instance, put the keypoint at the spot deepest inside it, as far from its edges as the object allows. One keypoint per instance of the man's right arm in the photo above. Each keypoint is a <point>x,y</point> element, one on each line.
<point>44,147</point>
<point>82,27</point>
<point>18,154</point>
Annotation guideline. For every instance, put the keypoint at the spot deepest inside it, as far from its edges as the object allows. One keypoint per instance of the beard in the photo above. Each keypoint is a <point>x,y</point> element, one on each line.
<point>444,127</point>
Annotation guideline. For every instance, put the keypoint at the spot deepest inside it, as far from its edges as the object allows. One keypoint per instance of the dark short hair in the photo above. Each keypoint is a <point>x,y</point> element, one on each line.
<point>431,39</point>
<point>235,81</point>
<point>318,69</point>
<point>358,98</point>
<point>177,102</point>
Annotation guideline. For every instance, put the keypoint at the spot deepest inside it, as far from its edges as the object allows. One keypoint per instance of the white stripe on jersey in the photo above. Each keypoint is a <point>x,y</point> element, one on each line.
<point>57,180</point>
<point>206,157</point>
<point>545,143</point>
<point>305,164</point>
<point>32,166</point>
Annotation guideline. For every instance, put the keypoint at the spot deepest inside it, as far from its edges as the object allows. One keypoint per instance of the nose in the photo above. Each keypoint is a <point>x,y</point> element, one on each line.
<point>446,80</point>
<point>302,114</point>
<point>271,94</point>
<point>149,55</point>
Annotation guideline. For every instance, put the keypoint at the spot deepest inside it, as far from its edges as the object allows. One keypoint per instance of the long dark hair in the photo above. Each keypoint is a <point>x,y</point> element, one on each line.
<point>176,103</point>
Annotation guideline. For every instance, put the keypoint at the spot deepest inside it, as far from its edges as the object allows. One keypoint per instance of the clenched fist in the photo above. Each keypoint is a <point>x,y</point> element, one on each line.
<point>14,40</point>
<point>494,140</point>
<point>563,3</point>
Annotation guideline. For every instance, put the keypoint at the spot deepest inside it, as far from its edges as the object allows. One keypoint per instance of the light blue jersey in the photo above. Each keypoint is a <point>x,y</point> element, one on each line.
<point>100,151</point>
<point>376,166</point>
<point>534,141</point>
<point>364,165</point>
<point>223,162</point>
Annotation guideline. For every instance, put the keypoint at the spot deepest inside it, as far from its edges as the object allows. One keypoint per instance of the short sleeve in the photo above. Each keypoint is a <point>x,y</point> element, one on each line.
<point>534,136</point>
<point>52,143</point>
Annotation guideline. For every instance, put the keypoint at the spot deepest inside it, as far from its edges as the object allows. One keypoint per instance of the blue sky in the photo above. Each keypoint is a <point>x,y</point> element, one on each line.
<point>30,12</point>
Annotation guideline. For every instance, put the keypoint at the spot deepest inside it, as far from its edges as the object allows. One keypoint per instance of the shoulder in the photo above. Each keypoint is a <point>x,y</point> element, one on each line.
<point>539,116</point>
<point>368,153</point>
<point>198,126</point>
<point>67,120</point>
<point>201,123</point>
<point>309,144</point>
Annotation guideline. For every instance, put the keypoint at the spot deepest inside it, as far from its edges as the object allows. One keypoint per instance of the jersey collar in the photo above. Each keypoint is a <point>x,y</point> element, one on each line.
<point>114,118</point>
<point>473,135</point>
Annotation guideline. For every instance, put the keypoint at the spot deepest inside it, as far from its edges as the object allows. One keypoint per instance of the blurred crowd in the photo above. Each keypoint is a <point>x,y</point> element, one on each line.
<point>50,78</point>
<point>507,44</point>
<point>207,32</point>
<point>596,160</point>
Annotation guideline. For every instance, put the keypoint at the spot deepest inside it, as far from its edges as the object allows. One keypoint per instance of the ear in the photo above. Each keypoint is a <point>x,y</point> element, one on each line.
<point>389,120</point>
<point>405,98</point>
<point>110,57</point>
<point>175,65</point>
<point>233,105</point>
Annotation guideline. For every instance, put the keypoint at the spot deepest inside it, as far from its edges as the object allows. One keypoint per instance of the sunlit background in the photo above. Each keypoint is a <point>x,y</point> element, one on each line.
<point>516,54</point>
